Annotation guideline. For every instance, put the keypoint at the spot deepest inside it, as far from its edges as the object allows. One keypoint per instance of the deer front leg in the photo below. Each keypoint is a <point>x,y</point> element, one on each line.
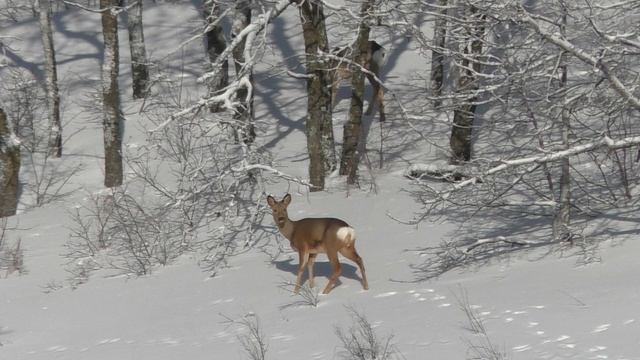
<point>303,255</point>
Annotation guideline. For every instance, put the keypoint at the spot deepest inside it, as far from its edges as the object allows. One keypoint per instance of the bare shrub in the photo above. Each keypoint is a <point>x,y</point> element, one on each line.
<point>51,286</point>
<point>479,346</point>
<point>80,271</point>
<point>123,232</point>
<point>23,101</point>
<point>204,177</point>
<point>11,253</point>
<point>25,106</point>
<point>360,341</point>
<point>89,234</point>
<point>17,10</point>
<point>307,296</point>
<point>189,187</point>
<point>49,178</point>
<point>251,335</point>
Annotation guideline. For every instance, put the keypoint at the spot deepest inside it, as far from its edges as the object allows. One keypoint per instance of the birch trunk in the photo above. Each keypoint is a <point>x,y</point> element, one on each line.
<point>465,111</point>
<point>112,117</point>
<point>350,157</point>
<point>562,215</point>
<point>51,80</point>
<point>9,168</point>
<point>243,116</point>
<point>437,56</point>
<point>139,68</point>
<point>216,45</point>
<point>319,125</point>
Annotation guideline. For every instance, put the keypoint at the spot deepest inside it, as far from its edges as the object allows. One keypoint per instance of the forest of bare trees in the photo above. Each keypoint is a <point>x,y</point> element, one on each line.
<point>533,106</point>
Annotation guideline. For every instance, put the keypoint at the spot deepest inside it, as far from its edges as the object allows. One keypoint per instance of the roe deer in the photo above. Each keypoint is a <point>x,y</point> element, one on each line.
<point>373,62</point>
<point>312,236</point>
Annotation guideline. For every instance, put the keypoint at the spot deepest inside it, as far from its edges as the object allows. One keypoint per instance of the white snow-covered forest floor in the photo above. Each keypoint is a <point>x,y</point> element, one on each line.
<point>539,303</point>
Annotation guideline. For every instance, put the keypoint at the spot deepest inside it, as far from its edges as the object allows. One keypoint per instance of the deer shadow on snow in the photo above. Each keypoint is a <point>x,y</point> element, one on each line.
<point>320,269</point>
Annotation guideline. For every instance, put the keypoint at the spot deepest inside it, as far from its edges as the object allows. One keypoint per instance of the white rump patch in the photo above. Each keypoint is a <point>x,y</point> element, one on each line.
<point>347,235</point>
<point>379,57</point>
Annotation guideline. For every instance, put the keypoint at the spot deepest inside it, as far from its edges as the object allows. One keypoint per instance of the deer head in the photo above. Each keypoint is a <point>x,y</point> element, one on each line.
<point>279,208</point>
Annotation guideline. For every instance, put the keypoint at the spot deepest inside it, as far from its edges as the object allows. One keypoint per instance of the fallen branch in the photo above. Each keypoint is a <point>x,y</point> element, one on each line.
<point>496,240</point>
<point>604,142</point>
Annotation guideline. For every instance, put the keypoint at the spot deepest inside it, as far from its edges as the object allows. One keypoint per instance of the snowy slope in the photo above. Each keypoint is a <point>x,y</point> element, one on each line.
<point>535,305</point>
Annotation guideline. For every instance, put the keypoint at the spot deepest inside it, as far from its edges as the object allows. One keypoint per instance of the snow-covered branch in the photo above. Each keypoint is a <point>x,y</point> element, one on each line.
<point>210,26</point>
<point>114,9</point>
<point>276,172</point>
<point>226,97</point>
<point>254,28</point>
<point>567,46</point>
<point>604,142</point>
<point>499,239</point>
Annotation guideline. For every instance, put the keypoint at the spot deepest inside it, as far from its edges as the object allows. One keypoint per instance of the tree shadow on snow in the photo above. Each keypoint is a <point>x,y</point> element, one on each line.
<point>271,87</point>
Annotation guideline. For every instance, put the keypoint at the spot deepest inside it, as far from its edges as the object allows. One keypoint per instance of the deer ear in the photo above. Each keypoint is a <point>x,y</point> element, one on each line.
<point>287,199</point>
<point>271,201</point>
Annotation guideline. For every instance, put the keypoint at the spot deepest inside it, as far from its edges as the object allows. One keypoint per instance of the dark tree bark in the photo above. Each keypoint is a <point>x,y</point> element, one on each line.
<point>51,82</point>
<point>216,44</point>
<point>243,116</point>
<point>9,168</point>
<point>319,125</point>
<point>139,68</point>
<point>465,110</point>
<point>437,56</point>
<point>350,157</point>
<point>112,120</point>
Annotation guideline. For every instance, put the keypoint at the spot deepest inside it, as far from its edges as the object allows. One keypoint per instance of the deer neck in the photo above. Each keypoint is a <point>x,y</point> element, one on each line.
<point>286,229</point>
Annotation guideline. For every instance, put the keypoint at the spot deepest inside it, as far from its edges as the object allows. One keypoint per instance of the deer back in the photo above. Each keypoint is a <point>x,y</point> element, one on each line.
<point>320,235</point>
<point>373,60</point>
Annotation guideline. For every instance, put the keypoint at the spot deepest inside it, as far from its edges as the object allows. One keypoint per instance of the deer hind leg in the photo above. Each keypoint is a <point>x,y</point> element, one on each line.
<point>379,94</point>
<point>335,81</point>
<point>304,258</point>
<point>376,98</point>
<point>337,269</point>
<point>312,260</point>
<point>350,253</point>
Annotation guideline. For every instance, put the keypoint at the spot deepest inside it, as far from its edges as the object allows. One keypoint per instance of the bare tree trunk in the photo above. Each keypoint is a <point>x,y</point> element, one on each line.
<point>563,211</point>
<point>350,157</point>
<point>216,44</point>
<point>51,82</point>
<point>9,168</point>
<point>465,111</point>
<point>319,125</point>
<point>245,130</point>
<point>437,56</point>
<point>139,68</point>
<point>112,121</point>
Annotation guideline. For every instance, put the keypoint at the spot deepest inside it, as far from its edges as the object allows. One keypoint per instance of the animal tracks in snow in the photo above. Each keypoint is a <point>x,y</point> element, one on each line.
<point>57,348</point>
<point>542,339</point>
<point>428,294</point>
<point>420,295</point>
<point>601,328</point>
<point>387,294</point>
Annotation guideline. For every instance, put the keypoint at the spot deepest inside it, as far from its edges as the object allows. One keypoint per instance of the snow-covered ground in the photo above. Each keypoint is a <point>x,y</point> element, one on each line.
<point>536,304</point>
